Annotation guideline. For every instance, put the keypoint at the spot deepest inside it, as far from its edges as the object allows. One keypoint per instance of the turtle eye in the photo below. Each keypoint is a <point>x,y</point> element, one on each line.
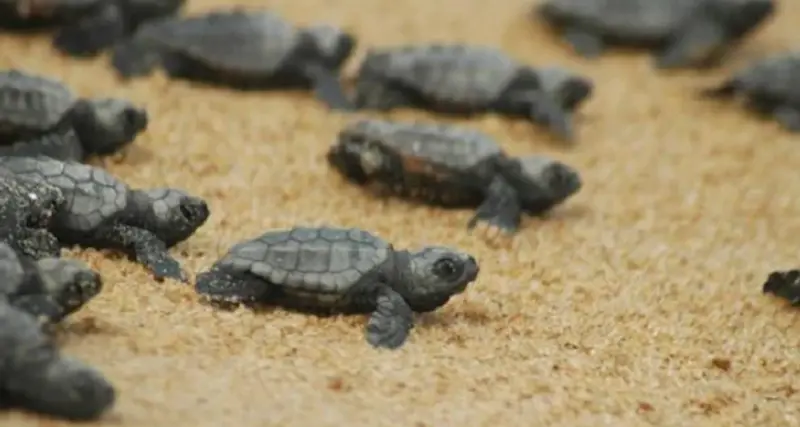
<point>446,268</point>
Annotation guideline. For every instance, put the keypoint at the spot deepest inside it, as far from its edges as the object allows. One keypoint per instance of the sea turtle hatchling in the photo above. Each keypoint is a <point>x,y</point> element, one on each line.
<point>37,377</point>
<point>344,270</point>
<point>84,28</point>
<point>27,208</point>
<point>784,284</point>
<point>683,33</point>
<point>459,79</point>
<point>103,212</point>
<point>769,87</point>
<point>451,166</point>
<point>46,117</point>
<point>268,53</point>
<point>50,289</point>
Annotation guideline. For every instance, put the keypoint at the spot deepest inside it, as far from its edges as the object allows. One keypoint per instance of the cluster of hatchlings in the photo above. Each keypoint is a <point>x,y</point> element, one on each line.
<point>51,197</point>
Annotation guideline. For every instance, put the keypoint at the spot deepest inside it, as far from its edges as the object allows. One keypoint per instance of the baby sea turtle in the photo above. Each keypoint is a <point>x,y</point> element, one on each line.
<point>784,284</point>
<point>103,212</point>
<point>27,208</point>
<point>37,377</point>
<point>270,53</point>
<point>451,166</point>
<point>344,270</point>
<point>50,288</point>
<point>770,87</point>
<point>48,116</point>
<point>683,33</point>
<point>84,27</point>
<point>457,79</point>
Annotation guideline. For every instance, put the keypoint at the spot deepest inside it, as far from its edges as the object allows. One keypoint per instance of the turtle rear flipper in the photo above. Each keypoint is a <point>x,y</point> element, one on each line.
<point>328,89</point>
<point>92,34</point>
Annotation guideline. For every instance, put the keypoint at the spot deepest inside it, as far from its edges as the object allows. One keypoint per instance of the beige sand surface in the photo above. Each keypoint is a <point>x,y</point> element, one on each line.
<point>609,312</point>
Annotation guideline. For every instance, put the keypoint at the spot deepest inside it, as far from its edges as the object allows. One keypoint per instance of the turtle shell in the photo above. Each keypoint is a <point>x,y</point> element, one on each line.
<point>776,78</point>
<point>262,39</point>
<point>632,20</point>
<point>304,259</point>
<point>92,195</point>
<point>31,103</point>
<point>451,74</point>
<point>425,147</point>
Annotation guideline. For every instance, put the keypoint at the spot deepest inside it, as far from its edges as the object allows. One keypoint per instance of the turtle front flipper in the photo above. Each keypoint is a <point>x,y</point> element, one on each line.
<point>784,284</point>
<point>37,243</point>
<point>142,245</point>
<point>219,285</point>
<point>62,145</point>
<point>500,210</point>
<point>583,42</point>
<point>391,322</point>
<point>92,34</point>
<point>327,88</point>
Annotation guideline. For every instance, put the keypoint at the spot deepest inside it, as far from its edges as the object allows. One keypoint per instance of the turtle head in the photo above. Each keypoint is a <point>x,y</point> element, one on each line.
<point>171,214</point>
<point>334,44</point>
<point>437,273</point>
<point>62,387</point>
<point>740,17</point>
<point>44,201</point>
<point>69,282</point>
<point>542,182</point>
<point>567,88</point>
<point>106,125</point>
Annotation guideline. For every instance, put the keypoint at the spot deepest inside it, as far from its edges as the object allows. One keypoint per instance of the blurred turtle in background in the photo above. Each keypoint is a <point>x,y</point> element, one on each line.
<point>684,33</point>
<point>84,28</point>
<point>464,79</point>
<point>769,87</point>
<point>241,49</point>
<point>41,116</point>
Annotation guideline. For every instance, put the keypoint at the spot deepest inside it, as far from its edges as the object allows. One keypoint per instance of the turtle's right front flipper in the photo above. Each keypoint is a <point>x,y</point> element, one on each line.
<point>391,322</point>
<point>92,34</point>
<point>142,245</point>
<point>328,89</point>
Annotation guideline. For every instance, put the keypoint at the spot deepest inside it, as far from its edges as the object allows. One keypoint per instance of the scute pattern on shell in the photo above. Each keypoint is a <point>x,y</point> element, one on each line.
<point>777,77</point>
<point>454,147</point>
<point>463,74</point>
<point>635,19</point>
<point>29,102</point>
<point>92,194</point>
<point>320,260</point>
<point>263,39</point>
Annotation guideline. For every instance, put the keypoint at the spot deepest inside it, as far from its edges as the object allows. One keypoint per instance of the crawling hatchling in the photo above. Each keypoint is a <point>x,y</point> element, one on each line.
<point>241,49</point>
<point>340,270</point>
<point>50,289</point>
<point>83,28</point>
<point>451,166</point>
<point>462,79</point>
<point>27,208</point>
<point>105,213</point>
<point>35,375</point>
<point>770,88</point>
<point>784,284</point>
<point>41,115</point>
<point>681,33</point>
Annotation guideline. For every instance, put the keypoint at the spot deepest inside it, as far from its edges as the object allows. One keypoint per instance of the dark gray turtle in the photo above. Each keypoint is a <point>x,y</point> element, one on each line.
<point>103,212</point>
<point>684,33</point>
<point>84,28</point>
<point>270,53</point>
<point>340,270</point>
<point>37,377</point>
<point>457,79</point>
<point>770,87</point>
<point>50,288</point>
<point>784,284</point>
<point>452,167</point>
<point>27,208</point>
<point>46,117</point>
